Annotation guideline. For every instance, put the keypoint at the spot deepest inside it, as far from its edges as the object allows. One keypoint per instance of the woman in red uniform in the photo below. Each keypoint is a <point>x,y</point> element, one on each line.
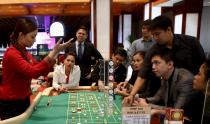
<point>19,67</point>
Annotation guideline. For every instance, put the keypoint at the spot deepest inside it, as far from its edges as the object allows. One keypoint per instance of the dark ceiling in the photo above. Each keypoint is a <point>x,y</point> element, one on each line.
<point>71,21</point>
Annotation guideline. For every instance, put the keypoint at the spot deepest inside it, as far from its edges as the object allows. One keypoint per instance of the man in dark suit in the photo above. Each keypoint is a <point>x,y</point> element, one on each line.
<point>87,55</point>
<point>176,89</point>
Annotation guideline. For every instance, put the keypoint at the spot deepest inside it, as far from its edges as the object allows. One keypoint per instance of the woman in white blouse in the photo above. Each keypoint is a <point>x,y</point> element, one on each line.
<point>66,75</point>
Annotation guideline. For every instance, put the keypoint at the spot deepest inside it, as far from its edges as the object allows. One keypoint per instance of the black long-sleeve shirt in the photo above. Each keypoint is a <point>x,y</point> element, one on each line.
<point>187,53</point>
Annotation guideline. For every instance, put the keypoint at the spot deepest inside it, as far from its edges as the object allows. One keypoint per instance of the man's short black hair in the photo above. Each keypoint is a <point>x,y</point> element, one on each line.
<point>121,52</point>
<point>165,53</point>
<point>82,27</point>
<point>161,22</point>
<point>147,23</point>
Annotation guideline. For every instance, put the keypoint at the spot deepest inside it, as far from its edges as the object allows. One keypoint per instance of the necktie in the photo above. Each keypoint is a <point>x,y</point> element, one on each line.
<point>80,51</point>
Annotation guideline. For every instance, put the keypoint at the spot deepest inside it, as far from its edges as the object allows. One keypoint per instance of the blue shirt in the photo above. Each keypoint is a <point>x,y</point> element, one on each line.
<point>140,45</point>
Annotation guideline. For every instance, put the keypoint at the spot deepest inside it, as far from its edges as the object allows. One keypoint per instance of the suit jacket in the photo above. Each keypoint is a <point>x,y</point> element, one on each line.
<point>181,93</point>
<point>89,57</point>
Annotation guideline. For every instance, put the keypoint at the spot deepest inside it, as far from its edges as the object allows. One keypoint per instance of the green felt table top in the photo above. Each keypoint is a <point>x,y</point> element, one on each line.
<point>79,107</point>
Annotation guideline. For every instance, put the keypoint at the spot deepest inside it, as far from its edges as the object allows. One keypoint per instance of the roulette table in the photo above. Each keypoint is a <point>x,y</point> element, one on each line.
<point>77,106</point>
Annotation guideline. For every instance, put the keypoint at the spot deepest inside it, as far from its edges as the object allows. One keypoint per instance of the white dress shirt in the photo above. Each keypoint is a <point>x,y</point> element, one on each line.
<point>59,77</point>
<point>129,73</point>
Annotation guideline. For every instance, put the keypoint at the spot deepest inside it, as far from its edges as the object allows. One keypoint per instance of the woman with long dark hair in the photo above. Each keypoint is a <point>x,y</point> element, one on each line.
<point>201,83</point>
<point>19,67</point>
<point>67,75</point>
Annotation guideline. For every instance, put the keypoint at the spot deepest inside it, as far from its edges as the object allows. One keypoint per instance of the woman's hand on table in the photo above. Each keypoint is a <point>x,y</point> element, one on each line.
<point>62,89</point>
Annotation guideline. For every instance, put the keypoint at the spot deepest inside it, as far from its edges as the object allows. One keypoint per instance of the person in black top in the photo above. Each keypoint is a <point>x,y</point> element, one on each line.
<point>118,58</point>
<point>136,64</point>
<point>201,83</point>
<point>149,88</point>
<point>187,51</point>
<point>118,69</point>
<point>124,88</point>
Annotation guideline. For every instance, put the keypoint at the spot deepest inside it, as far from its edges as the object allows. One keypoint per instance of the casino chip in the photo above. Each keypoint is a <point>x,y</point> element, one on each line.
<point>78,109</point>
<point>110,91</point>
<point>111,63</point>
<point>111,77</point>
<point>111,70</point>
<point>35,108</point>
<point>48,104</point>
<point>73,111</point>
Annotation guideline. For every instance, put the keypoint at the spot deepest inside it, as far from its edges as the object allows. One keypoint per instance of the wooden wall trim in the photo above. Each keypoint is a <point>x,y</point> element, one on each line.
<point>111,30</point>
<point>94,23</point>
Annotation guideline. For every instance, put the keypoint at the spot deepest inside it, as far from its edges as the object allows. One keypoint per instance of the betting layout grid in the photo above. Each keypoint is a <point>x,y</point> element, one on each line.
<point>91,108</point>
